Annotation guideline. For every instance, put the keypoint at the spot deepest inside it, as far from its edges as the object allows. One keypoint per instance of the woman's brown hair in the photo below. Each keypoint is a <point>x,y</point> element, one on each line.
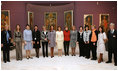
<point>51,26</point>
<point>19,27</point>
<point>58,27</point>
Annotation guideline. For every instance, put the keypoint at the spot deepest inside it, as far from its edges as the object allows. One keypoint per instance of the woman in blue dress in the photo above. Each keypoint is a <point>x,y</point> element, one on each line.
<point>27,35</point>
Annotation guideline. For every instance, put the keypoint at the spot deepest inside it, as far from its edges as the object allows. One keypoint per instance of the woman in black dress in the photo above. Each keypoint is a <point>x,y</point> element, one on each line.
<point>36,40</point>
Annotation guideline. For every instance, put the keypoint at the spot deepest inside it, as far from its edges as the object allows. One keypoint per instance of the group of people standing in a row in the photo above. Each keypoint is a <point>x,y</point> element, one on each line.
<point>88,40</point>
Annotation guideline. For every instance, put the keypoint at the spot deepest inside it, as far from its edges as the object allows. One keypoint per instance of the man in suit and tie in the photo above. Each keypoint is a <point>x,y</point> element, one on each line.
<point>112,44</point>
<point>5,43</point>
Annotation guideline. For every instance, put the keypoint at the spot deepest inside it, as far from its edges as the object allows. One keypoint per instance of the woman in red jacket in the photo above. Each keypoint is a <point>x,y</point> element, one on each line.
<point>66,41</point>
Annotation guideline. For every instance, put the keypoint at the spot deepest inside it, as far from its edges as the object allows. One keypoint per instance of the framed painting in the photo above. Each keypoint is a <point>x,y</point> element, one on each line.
<point>5,19</point>
<point>68,19</point>
<point>88,20</point>
<point>104,21</point>
<point>50,19</point>
<point>31,19</point>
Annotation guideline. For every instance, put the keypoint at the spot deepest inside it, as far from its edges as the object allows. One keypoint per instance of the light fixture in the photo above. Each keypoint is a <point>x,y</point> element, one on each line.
<point>97,2</point>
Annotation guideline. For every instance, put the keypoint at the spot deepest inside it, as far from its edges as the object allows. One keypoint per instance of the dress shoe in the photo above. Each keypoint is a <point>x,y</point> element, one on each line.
<point>115,64</point>
<point>87,57</point>
<point>109,62</point>
<point>80,56</point>
<point>44,56</point>
<point>37,56</point>
<point>4,61</point>
<point>94,59</point>
<point>8,61</point>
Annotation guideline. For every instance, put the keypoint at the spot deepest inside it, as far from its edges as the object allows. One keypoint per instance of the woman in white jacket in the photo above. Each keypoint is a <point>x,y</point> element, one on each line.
<point>86,37</point>
<point>59,40</point>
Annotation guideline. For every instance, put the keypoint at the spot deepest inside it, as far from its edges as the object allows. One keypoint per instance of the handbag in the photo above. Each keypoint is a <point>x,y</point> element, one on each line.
<point>12,47</point>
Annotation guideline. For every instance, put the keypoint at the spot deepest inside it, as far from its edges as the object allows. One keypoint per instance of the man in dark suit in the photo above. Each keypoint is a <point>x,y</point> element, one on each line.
<point>5,43</point>
<point>112,44</point>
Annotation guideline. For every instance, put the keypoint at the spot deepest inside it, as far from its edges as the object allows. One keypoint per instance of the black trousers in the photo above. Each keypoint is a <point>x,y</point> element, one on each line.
<point>94,50</point>
<point>82,49</point>
<point>66,47</point>
<point>6,55</point>
<point>45,48</point>
<point>114,51</point>
<point>37,52</point>
<point>6,52</point>
<point>87,50</point>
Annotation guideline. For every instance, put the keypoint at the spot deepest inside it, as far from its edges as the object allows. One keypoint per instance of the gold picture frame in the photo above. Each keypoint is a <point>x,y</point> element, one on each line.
<point>88,20</point>
<point>31,19</point>
<point>5,19</point>
<point>50,19</point>
<point>104,21</point>
<point>68,19</point>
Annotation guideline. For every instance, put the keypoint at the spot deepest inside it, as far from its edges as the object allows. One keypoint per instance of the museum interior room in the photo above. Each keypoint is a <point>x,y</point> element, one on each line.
<point>48,14</point>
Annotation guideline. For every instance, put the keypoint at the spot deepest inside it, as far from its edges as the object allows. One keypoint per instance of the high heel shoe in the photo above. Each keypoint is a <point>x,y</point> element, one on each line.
<point>30,57</point>
<point>27,57</point>
<point>52,56</point>
<point>74,55</point>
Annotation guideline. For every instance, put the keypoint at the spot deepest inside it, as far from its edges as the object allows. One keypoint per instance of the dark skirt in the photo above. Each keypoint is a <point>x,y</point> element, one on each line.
<point>36,45</point>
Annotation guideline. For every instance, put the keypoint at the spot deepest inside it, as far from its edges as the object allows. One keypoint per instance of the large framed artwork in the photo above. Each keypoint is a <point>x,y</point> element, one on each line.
<point>88,20</point>
<point>104,21</point>
<point>31,19</point>
<point>5,19</point>
<point>50,19</point>
<point>68,19</point>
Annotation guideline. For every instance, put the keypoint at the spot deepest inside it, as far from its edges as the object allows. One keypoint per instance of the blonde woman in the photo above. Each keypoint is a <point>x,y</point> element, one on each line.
<point>93,42</point>
<point>73,39</point>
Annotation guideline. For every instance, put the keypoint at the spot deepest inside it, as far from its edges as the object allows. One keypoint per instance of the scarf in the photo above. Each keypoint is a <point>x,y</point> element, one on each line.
<point>94,37</point>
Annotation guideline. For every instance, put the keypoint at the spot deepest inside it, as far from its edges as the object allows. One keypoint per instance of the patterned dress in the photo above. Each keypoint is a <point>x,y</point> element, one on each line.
<point>73,38</point>
<point>52,38</point>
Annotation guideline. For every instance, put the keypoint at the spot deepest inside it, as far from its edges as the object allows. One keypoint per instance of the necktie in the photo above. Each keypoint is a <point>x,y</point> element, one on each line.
<point>112,31</point>
<point>7,36</point>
